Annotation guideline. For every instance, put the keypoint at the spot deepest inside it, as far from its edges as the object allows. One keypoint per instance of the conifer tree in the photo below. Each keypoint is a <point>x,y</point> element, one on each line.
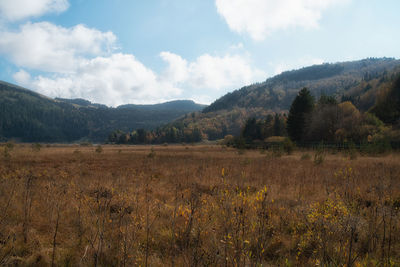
<point>302,105</point>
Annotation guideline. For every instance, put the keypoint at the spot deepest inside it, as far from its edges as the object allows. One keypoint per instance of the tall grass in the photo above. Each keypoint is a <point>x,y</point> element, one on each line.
<point>203,206</point>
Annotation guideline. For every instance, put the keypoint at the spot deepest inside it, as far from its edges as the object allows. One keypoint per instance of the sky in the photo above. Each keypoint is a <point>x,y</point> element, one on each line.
<point>151,51</point>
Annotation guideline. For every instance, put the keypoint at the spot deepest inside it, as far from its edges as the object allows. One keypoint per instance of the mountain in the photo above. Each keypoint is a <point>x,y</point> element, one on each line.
<point>31,117</point>
<point>357,81</point>
<point>278,92</point>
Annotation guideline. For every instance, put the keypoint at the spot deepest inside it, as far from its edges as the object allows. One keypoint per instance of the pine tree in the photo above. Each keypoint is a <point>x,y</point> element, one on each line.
<point>302,105</point>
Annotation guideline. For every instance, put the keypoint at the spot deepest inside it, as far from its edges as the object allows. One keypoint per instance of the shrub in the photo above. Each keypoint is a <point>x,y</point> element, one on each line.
<point>288,146</point>
<point>319,156</point>
<point>376,148</point>
<point>36,147</point>
<point>10,146</point>
<point>228,140</point>
<point>277,151</point>
<point>152,153</point>
<point>6,153</point>
<point>99,149</point>
<point>240,143</point>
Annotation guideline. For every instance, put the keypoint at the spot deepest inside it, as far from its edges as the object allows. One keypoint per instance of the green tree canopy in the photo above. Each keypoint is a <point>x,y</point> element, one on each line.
<point>387,108</point>
<point>302,105</point>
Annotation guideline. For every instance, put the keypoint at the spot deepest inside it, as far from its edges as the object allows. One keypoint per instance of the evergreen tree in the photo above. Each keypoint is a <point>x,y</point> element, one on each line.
<point>302,105</point>
<point>252,130</point>
<point>387,108</point>
<point>279,127</point>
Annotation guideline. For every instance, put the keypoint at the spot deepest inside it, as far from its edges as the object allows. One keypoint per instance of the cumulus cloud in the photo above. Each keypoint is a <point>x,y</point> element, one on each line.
<point>22,77</point>
<point>81,62</point>
<point>216,72</point>
<point>13,10</point>
<point>259,18</point>
<point>121,78</point>
<point>46,47</point>
<point>113,80</point>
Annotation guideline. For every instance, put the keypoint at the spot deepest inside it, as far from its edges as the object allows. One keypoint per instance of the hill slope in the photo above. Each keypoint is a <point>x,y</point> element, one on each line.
<point>357,81</point>
<point>31,117</point>
<point>278,92</point>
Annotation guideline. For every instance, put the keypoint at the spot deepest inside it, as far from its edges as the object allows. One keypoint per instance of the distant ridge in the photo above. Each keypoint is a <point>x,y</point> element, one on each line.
<point>31,117</point>
<point>170,105</point>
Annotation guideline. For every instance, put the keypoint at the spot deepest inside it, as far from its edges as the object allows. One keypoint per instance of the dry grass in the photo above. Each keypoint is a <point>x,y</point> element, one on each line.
<point>196,205</point>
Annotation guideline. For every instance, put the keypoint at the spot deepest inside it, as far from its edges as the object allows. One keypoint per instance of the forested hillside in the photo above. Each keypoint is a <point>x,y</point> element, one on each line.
<point>337,79</point>
<point>364,83</point>
<point>31,117</point>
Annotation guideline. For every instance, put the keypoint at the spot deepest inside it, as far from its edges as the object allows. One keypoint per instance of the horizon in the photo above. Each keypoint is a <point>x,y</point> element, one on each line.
<point>130,52</point>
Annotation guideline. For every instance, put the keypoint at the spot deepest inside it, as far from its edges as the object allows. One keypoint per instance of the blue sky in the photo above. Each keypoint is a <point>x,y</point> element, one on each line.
<point>134,51</point>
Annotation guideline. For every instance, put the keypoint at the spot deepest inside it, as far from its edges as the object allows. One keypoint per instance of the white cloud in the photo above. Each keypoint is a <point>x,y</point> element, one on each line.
<point>13,10</point>
<point>212,72</point>
<point>114,80</point>
<point>177,70</point>
<point>46,47</point>
<point>81,62</point>
<point>259,18</point>
<point>121,79</point>
<point>22,77</point>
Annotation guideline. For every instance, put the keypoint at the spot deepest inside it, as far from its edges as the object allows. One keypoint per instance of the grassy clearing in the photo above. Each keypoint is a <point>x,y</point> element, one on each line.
<point>190,205</point>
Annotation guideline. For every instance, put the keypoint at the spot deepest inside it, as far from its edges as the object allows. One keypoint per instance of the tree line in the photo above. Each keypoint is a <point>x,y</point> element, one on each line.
<point>326,120</point>
<point>309,120</point>
<point>171,134</point>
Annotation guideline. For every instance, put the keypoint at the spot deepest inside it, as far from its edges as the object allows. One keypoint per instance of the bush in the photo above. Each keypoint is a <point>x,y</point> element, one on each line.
<point>277,151</point>
<point>10,146</point>
<point>6,153</point>
<point>240,143</point>
<point>228,140</point>
<point>288,146</point>
<point>99,149</point>
<point>376,148</point>
<point>152,153</point>
<point>319,156</point>
<point>36,147</point>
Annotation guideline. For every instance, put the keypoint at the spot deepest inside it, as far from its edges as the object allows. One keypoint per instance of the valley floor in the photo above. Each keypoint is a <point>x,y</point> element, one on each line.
<point>200,205</point>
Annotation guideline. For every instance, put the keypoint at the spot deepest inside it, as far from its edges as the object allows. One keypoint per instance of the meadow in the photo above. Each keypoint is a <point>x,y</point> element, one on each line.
<point>202,205</point>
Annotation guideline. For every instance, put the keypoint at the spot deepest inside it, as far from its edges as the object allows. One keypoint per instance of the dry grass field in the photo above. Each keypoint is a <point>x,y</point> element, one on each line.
<point>197,205</point>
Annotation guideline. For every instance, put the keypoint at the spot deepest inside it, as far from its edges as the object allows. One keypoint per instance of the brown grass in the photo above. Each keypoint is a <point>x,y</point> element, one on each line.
<point>190,205</point>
